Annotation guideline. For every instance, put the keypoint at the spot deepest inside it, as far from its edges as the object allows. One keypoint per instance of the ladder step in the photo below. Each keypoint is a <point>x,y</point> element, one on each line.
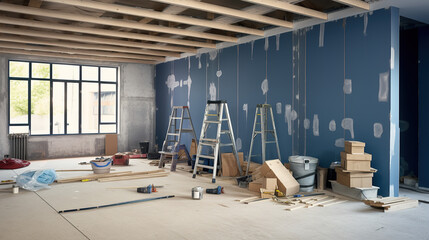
<point>204,166</point>
<point>209,139</point>
<point>271,142</point>
<point>208,144</point>
<point>224,131</point>
<point>167,153</point>
<point>217,122</point>
<point>206,156</point>
<point>187,130</point>
<point>171,140</point>
<point>226,144</point>
<point>173,134</point>
<point>176,118</point>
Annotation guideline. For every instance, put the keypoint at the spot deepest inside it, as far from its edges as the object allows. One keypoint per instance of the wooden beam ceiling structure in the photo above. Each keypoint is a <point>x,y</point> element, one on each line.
<point>148,31</point>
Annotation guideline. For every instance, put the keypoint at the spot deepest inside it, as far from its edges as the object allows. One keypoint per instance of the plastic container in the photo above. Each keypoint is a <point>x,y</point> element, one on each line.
<point>304,171</point>
<point>101,167</point>
<point>144,147</point>
<point>197,193</point>
<point>355,193</point>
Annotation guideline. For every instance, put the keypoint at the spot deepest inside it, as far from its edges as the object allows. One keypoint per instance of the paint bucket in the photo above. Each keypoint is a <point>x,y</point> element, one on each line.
<point>304,171</point>
<point>15,189</point>
<point>197,193</point>
<point>101,167</point>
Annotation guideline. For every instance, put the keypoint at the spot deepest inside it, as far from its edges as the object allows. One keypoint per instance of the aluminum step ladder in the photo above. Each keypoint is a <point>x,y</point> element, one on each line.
<point>263,113</point>
<point>214,116</point>
<point>175,129</point>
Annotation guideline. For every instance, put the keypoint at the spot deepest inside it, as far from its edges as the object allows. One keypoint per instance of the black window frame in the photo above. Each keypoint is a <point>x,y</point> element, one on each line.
<point>65,81</point>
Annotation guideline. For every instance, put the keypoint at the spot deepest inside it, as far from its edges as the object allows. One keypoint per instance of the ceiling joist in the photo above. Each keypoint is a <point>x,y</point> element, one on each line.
<point>112,22</point>
<point>355,3</point>
<point>228,11</point>
<point>99,40</point>
<point>158,15</point>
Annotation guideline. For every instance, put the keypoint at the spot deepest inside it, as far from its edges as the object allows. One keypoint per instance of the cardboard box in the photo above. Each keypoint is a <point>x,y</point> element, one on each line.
<point>269,184</point>
<point>256,185</point>
<point>358,162</point>
<point>354,147</point>
<point>285,181</point>
<point>265,193</point>
<point>229,164</point>
<point>111,144</point>
<point>356,157</point>
<point>354,178</point>
<point>193,150</point>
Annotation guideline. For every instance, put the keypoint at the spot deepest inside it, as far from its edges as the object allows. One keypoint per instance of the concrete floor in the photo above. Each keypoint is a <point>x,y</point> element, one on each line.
<point>33,215</point>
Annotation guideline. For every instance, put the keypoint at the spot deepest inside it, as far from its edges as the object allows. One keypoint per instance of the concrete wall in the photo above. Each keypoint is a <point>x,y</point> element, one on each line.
<point>136,114</point>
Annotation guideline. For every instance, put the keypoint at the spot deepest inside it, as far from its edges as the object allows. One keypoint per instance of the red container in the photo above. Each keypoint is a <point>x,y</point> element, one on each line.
<point>121,159</point>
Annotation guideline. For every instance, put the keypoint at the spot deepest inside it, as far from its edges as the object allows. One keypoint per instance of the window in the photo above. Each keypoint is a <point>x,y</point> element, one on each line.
<point>56,99</point>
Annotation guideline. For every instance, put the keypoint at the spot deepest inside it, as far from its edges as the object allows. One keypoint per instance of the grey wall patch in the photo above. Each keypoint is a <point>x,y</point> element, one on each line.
<point>199,60</point>
<point>365,23</point>
<point>171,84</point>
<point>332,126</point>
<point>347,86</point>
<point>294,115</point>
<point>277,42</point>
<point>322,35</point>
<point>288,118</point>
<point>264,86</point>
<point>212,94</point>
<point>315,125</point>
<point>213,54</point>
<point>267,43</point>
<point>245,108</point>
<point>347,124</point>
<point>339,142</point>
<point>307,123</point>
<point>279,108</point>
<point>219,73</point>
<point>378,130</point>
<point>383,88</point>
<point>238,144</point>
<point>252,43</point>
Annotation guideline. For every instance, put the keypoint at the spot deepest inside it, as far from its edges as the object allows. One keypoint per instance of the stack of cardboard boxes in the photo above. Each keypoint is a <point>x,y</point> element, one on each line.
<point>355,170</point>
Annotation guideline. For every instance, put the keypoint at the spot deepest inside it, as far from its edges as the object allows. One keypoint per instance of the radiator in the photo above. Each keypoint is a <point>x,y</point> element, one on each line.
<point>18,145</point>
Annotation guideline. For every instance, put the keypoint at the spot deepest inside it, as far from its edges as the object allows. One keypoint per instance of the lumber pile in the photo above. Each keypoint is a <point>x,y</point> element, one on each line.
<point>312,201</point>
<point>117,176</point>
<point>390,204</point>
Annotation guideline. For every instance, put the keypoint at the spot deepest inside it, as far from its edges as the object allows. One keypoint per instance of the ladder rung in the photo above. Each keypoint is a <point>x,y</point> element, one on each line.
<point>187,130</point>
<point>204,166</point>
<point>206,156</point>
<point>173,134</point>
<point>208,144</point>
<point>209,139</point>
<point>217,122</point>
<point>226,144</point>
<point>271,142</point>
<point>224,131</point>
<point>167,153</point>
<point>171,140</point>
<point>211,114</point>
<point>176,118</point>
<point>225,119</point>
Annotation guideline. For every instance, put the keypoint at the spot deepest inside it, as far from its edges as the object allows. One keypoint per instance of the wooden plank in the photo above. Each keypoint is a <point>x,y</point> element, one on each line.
<point>98,40</point>
<point>402,205</point>
<point>355,3</point>
<point>102,32</point>
<point>228,11</point>
<point>248,199</point>
<point>258,200</point>
<point>158,15</point>
<point>229,164</point>
<point>79,170</point>
<point>133,177</point>
<point>105,175</point>
<point>113,22</point>
<point>290,8</point>
<point>331,203</point>
<point>299,206</point>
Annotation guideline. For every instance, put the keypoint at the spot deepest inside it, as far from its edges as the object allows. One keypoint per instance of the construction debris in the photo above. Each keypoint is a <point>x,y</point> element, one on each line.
<point>389,204</point>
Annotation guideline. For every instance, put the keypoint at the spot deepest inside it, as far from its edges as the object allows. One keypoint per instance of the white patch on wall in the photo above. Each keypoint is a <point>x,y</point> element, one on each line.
<point>219,73</point>
<point>267,43</point>
<point>212,94</point>
<point>297,96</point>
<point>365,23</point>
<point>332,126</point>
<point>188,82</point>
<point>277,42</point>
<point>315,125</point>
<point>322,35</point>
<point>252,44</point>
<point>238,144</point>
<point>264,86</point>
<point>294,115</point>
<point>288,118</point>
<point>383,88</point>
<point>199,60</point>
<point>339,142</point>
<point>378,130</point>
<point>347,86</point>
<point>347,124</point>
<point>246,109</point>
<point>279,108</point>
<point>307,123</point>
<point>392,139</point>
<point>171,84</point>
<point>213,54</point>
<point>392,58</point>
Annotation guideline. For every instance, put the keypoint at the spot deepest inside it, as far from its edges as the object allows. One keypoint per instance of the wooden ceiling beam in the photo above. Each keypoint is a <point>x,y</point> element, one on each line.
<point>207,7</point>
<point>67,44</point>
<point>98,40</point>
<point>74,56</point>
<point>355,3</point>
<point>111,22</point>
<point>64,50</point>
<point>284,6</point>
<point>158,15</point>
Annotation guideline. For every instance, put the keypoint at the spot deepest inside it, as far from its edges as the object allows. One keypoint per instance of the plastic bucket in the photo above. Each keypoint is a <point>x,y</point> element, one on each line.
<point>101,167</point>
<point>304,171</point>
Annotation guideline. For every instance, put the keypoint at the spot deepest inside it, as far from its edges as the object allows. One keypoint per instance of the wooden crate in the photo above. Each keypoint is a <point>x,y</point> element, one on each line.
<point>358,162</point>
<point>354,147</point>
<point>354,179</point>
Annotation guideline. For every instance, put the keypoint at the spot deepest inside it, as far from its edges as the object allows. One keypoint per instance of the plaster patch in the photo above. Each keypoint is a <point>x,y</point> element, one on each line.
<point>213,54</point>
<point>277,42</point>
<point>171,84</point>
<point>189,83</point>
<point>297,96</point>
<point>332,126</point>
<point>264,86</point>
<point>339,142</point>
<point>365,23</point>
<point>199,60</point>
<point>347,86</point>
<point>267,43</point>
<point>238,144</point>
<point>378,130</point>
<point>219,73</point>
<point>322,35</point>
<point>315,125</point>
<point>246,109</point>
<point>279,108</point>
<point>252,44</point>
<point>294,115</point>
<point>307,123</point>
<point>288,118</point>
<point>212,94</point>
<point>383,88</point>
<point>347,124</point>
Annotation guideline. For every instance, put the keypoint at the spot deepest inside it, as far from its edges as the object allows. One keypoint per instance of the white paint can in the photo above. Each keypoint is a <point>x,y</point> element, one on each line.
<point>197,193</point>
<point>15,189</point>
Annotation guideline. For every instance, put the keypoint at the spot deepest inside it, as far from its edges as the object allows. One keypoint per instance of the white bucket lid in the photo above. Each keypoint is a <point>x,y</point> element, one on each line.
<point>300,159</point>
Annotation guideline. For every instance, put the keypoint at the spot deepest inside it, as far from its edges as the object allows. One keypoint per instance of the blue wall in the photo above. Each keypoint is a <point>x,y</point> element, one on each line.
<point>306,70</point>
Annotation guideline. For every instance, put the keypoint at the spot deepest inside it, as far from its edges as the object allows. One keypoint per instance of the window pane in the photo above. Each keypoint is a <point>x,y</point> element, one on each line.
<point>89,73</point>
<point>108,128</point>
<point>18,129</point>
<point>67,72</point>
<point>18,102</point>
<point>40,70</point>
<point>108,74</point>
<point>89,107</point>
<point>108,103</point>
<point>18,69</point>
<point>72,108</point>
<point>58,107</point>
<point>40,107</point>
